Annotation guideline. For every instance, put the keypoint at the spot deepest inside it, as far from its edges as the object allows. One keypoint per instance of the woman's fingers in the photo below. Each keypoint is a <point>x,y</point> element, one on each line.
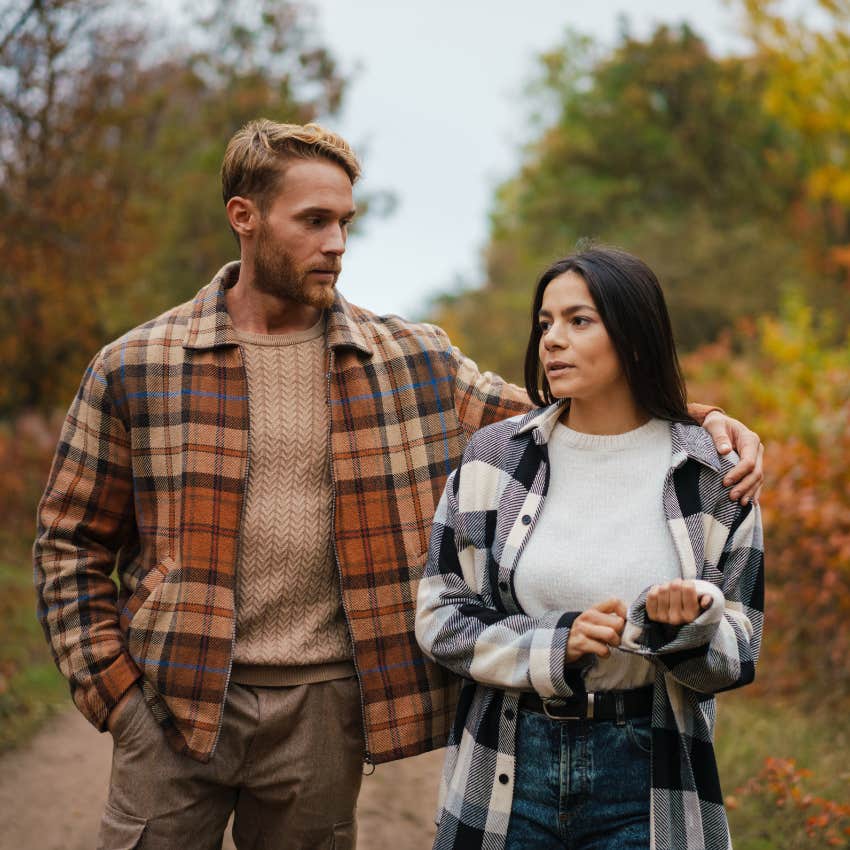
<point>611,606</point>
<point>594,615</point>
<point>594,647</point>
<point>596,630</point>
<point>603,633</point>
<point>580,643</point>
<point>675,603</point>
<point>690,602</point>
<point>585,643</point>
<point>657,603</point>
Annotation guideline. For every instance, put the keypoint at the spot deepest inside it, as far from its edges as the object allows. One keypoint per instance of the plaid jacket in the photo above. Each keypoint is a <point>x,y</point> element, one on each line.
<point>149,478</point>
<point>469,620</point>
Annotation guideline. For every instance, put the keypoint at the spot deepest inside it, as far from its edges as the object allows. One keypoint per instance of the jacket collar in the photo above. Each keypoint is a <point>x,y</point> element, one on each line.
<point>209,325</point>
<point>693,442</point>
<point>344,328</point>
<point>540,422</point>
<point>688,441</point>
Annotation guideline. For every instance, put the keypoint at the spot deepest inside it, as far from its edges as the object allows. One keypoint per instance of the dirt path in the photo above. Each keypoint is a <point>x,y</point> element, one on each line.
<point>52,792</point>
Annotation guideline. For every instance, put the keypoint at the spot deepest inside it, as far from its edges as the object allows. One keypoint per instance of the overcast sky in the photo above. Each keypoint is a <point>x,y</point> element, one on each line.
<point>436,112</point>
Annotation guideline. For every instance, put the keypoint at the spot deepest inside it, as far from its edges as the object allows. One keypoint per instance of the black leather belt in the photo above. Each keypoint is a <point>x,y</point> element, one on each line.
<point>601,705</point>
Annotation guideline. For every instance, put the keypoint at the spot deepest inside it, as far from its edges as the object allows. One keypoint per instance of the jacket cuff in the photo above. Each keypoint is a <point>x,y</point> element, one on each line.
<point>548,650</point>
<point>100,694</point>
<point>643,636</point>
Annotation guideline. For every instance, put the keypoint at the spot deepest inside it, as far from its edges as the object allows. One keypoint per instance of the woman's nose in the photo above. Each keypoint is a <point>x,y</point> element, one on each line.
<point>552,340</point>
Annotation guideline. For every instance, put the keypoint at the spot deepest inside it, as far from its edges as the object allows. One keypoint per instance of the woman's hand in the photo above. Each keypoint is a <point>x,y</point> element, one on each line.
<point>675,603</point>
<point>596,630</point>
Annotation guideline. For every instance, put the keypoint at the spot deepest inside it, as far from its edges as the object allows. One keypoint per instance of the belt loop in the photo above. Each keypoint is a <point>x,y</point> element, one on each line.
<point>590,706</point>
<point>620,708</point>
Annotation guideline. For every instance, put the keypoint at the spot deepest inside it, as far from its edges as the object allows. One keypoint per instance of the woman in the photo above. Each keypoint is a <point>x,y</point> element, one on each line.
<point>590,578</point>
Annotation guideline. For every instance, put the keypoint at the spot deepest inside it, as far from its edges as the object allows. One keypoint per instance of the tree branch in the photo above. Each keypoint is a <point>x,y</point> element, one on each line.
<point>35,4</point>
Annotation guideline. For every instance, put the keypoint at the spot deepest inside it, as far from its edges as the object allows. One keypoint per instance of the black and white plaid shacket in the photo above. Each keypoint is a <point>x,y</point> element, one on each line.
<point>470,621</point>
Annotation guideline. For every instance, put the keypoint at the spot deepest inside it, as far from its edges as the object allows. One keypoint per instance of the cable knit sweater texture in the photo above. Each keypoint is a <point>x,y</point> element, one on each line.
<point>290,626</point>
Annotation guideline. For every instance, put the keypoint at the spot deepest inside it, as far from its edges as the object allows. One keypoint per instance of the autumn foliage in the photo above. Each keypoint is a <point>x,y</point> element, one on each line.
<point>788,377</point>
<point>730,175</point>
<point>781,789</point>
<point>112,127</point>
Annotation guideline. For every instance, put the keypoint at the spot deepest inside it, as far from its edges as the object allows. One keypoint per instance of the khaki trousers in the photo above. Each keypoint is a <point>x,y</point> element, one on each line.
<point>288,765</point>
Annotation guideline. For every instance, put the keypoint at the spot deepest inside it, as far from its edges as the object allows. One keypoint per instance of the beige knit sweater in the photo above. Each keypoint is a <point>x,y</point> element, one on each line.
<point>290,626</point>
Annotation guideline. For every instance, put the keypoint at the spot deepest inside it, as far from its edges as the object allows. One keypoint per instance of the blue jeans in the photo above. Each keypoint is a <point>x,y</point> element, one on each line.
<point>582,785</point>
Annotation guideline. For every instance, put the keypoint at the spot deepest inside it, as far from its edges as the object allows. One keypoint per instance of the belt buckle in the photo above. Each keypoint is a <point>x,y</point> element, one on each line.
<point>588,712</point>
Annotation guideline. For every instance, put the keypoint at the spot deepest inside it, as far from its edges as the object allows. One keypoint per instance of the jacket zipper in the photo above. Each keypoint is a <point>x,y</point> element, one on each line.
<point>236,554</point>
<point>367,755</point>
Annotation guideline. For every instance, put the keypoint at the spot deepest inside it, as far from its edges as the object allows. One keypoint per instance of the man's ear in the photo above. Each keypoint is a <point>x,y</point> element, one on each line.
<point>243,215</point>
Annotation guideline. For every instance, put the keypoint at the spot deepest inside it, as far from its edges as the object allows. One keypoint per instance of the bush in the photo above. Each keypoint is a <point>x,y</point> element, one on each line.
<point>787,379</point>
<point>779,793</point>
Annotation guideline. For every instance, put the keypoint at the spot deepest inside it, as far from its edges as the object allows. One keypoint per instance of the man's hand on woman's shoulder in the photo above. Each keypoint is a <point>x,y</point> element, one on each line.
<point>747,476</point>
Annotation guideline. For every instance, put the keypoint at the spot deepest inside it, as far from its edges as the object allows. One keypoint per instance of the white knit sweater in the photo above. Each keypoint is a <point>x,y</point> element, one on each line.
<point>601,533</point>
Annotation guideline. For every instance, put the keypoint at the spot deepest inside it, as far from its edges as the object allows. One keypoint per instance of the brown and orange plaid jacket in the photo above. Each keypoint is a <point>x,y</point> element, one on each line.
<point>149,479</point>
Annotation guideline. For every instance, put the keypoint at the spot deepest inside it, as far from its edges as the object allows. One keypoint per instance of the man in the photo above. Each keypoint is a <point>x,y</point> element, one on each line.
<point>261,466</point>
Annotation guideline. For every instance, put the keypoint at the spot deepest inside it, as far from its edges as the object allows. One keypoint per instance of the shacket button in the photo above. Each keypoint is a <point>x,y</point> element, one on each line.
<point>526,519</point>
<point>504,778</point>
<point>509,714</point>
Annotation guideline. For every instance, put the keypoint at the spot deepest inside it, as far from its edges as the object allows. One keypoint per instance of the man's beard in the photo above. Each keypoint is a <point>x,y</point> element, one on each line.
<point>276,273</point>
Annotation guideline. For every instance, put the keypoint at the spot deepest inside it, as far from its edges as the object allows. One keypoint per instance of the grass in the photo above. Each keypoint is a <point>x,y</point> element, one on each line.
<point>810,750</point>
<point>31,688</point>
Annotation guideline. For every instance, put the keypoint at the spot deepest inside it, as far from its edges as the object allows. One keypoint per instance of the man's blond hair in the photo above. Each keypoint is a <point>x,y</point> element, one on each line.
<point>256,157</point>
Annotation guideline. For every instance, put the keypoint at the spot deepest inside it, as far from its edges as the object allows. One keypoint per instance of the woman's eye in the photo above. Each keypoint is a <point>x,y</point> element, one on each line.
<point>544,326</point>
<point>580,321</point>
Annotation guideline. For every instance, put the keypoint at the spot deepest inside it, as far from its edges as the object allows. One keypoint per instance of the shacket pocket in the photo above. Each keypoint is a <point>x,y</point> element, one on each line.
<point>152,580</point>
<point>149,617</point>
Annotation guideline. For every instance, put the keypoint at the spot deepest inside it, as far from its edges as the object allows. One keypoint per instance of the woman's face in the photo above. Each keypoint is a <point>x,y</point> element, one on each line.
<point>575,350</point>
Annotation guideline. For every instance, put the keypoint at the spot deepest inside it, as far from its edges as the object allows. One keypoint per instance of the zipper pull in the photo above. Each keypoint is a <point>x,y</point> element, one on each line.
<point>367,763</point>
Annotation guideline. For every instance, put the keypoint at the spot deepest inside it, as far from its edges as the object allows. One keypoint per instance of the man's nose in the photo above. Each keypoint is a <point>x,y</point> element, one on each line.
<point>335,243</point>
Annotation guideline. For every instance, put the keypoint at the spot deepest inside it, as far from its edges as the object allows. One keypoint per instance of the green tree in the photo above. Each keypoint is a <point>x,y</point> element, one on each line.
<point>807,68</point>
<point>663,149</point>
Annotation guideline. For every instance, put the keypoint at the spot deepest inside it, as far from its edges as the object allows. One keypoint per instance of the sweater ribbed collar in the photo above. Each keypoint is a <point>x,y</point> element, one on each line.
<point>688,441</point>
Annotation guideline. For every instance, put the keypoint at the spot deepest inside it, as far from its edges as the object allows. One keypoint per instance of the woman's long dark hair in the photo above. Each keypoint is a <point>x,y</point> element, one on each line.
<point>630,303</point>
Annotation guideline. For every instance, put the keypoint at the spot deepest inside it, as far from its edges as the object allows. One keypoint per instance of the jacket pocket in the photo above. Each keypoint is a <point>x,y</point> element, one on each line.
<point>120,831</point>
<point>150,614</point>
<point>153,578</point>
